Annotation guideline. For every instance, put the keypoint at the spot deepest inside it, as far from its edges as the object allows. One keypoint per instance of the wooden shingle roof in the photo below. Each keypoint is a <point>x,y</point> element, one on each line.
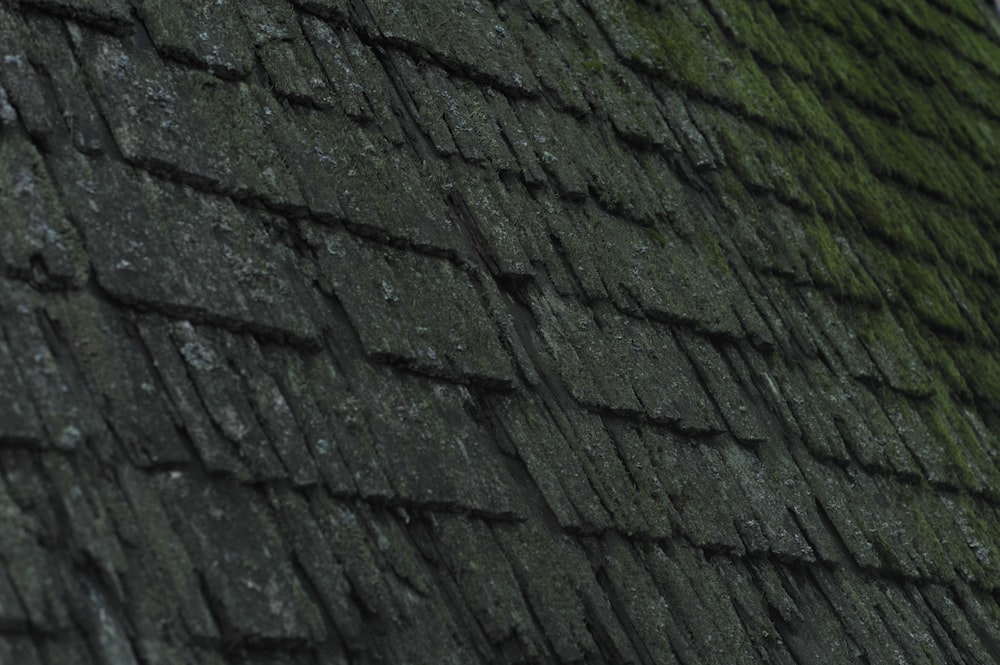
<point>346,331</point>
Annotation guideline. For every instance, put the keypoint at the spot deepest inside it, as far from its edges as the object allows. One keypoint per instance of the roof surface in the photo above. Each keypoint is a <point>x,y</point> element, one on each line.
<point>336,331</point>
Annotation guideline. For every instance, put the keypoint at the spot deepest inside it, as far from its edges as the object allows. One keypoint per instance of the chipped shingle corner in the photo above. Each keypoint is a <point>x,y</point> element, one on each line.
<point>590,331</point>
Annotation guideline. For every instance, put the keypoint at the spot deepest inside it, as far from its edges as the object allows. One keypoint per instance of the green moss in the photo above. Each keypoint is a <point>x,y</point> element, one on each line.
<point>732,193</point>
<point>917,15</point>
<point>934,355</point>
<point>819,50</point>
<point>981,370</point>
<point>926,537</point>
<point>787,176</point>
<point>885,332</point>
<point>811,114</point>
<point>800,156</point>
<point>751,28</point>
<point>839,269</point>
<point>676,48</point>
<point>880,210</point>
<point>965,81</point>
<point>655,236</point>
<point>793,61</point>
<point>782,6</point>
<point>593,66</point>
<point>758,157</point>
<point>920,284</point>
<point>907,51</point>
<point>751,90</point>
<point>592,62</point>
<point>709,244</point>
<point>967,10</point>
<point>909,97</point>
<point>980,535</point>
<point>963,183</point>
<point>858,78</point>
<point>977,299</point>
<point>978,304</point>
<point>862,24</point>
<point>898,154</point>
<point>741,146</point>
<point>686,45</point>
<point>967,129</point>
<point>974,46</point>
<point>961,446</point>
<point>816,12</point>
<point>930,299</point>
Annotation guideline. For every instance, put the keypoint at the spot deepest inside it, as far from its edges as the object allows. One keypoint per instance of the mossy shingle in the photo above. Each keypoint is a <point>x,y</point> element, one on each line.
<point>480,332</point>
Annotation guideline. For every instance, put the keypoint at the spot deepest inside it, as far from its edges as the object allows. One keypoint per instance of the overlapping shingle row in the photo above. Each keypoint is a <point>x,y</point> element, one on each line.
<point>520,332</point>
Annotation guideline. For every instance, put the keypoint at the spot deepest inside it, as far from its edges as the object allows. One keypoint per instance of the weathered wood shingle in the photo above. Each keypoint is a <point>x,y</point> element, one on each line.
<point>589,331</point>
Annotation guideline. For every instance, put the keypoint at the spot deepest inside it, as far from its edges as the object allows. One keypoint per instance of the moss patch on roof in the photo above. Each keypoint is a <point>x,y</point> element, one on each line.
<point>581,331</point>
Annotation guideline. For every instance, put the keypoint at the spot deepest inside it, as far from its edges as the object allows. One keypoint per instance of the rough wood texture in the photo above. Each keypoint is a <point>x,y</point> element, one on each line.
<point>346,331</point>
